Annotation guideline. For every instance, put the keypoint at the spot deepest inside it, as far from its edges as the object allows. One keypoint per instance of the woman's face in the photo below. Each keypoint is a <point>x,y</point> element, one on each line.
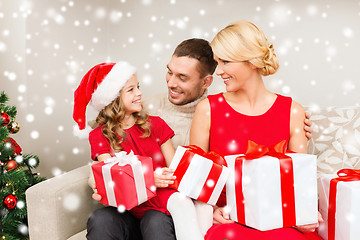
<point>234,74</point>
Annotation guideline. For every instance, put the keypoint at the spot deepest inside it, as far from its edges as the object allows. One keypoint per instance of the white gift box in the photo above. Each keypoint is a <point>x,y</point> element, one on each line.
<point>261,187</point>
<point>347,215</point>
<point>197,177</point>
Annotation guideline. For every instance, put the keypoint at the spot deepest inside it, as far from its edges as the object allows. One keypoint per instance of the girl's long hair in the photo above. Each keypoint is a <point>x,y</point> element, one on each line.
<point>111,120</point>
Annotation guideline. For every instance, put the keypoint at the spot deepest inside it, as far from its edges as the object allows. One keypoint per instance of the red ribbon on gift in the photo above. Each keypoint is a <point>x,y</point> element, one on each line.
<point>278,150</point>
<point>214,175</point>
<point>345,175</point>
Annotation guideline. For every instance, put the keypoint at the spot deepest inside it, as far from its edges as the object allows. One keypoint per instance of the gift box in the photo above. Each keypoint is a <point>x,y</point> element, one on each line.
<point>268,189</point>
<point>198,175</point>
<point>342,215</point>
<point>125,180</point>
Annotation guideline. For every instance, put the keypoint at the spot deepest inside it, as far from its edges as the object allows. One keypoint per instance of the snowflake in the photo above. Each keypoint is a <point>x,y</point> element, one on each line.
<point>286,89</point>
<point>75,151</point>
<point>210,183</point>
<point>71,202</point>
<point>146,2</point>
<point>22,88</point>
<point>34,134</point>
<point>115,16</point>
<point>56,171</point>
<point>48,110</point>
<point>312,10</point>
<point>32,161</point>
<point>23,229</point>
<point>100,13</point>
<point>157,47</point>
<point>348,32</point>
<point>147,79</point>
<point>19,159</point>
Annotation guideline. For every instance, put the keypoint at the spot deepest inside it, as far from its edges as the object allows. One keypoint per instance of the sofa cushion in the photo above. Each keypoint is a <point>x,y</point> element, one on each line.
<point>80,236</point>
<point>336,137</point>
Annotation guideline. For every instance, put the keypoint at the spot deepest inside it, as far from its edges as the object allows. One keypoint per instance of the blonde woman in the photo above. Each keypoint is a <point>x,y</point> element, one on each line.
<point>247,111</point>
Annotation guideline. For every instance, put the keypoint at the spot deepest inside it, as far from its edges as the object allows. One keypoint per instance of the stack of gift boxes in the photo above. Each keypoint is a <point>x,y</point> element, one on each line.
<point>266,188</point>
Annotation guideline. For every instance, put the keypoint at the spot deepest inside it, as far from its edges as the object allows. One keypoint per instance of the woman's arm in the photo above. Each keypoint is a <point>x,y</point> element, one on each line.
<point>200,126</point>
<point>298,143</point>
<point>298,140</point>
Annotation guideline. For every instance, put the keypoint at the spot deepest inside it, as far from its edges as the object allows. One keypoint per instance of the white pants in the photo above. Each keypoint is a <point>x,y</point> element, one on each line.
<point>191,217</point>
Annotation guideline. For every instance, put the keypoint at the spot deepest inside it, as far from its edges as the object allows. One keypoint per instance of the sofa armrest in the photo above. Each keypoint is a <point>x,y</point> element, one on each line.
<point>59,207</point>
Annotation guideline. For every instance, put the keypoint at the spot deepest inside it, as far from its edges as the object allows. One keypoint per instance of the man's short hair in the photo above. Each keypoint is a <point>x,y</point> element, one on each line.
<point>199,49</point>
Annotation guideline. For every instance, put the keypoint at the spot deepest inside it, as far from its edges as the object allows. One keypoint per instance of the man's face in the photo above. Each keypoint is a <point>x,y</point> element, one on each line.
<point>183,80</point>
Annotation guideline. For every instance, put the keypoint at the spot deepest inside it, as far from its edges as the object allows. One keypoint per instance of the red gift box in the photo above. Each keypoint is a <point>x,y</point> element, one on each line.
<point>338,201</point>
<point>198,174</point>
<point>126,180</point>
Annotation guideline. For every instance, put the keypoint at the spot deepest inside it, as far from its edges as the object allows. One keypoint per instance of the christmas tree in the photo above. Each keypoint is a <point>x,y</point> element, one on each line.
<point>15,176</point>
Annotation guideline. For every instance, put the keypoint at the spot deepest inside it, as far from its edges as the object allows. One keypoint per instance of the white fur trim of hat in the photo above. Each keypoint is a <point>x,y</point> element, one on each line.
<point>109,88</point>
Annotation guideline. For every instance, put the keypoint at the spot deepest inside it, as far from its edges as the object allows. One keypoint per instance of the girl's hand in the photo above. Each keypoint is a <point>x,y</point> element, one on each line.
<point>310,227</point>
<point>95,195</point>
<point>221,216</point>
<point>163,177</point>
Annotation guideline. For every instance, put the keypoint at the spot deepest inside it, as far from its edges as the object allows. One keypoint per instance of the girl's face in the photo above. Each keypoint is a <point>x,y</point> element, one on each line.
<point>131,96</point>
<point>234,74</point>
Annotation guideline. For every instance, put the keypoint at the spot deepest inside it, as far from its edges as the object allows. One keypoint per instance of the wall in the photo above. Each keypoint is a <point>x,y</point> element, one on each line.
<point>47,46</point>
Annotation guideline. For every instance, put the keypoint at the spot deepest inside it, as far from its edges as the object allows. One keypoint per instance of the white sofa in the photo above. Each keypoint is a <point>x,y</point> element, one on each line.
<point>59,207</point>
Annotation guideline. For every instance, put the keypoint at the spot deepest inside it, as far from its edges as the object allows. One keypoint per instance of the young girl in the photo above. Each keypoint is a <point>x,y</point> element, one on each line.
<point>124,126</point>
<point>247,111</point>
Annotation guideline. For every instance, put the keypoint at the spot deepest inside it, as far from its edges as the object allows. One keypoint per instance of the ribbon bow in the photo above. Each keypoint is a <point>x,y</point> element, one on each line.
<point>214,156</point>
<point>278,150</point>
<point>123,158</point>
<point>344,175</point>
<point>255,150</point>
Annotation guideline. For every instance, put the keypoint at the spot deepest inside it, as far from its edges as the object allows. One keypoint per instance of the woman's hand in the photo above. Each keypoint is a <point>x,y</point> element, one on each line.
<point>163,177</point>
<point>221,216</point>
<point>310,227</point>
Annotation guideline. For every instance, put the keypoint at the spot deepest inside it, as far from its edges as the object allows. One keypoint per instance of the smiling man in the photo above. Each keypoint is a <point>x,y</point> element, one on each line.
<point>188,77</point>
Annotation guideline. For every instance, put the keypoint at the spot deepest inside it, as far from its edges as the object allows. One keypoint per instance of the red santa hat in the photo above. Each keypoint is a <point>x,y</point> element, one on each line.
<point>101,85</point>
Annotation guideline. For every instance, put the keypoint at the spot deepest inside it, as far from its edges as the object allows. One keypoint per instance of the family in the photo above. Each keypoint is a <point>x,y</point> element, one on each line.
<point>241,55</point>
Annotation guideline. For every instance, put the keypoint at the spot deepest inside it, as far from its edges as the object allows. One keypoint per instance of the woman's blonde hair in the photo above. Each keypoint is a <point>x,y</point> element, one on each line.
<point>111,118</point>
<point>244,41</point>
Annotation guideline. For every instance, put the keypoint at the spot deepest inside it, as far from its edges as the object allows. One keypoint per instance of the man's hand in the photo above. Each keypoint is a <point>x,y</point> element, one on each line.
<point>308,129</point>
<point>310,227</point>
<point>95,195</point>
<point>221,216</point>
<point>163,177</point>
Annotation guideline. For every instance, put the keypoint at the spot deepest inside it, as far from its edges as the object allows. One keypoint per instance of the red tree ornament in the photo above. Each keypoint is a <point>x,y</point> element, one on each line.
<point>10,201</point>
<point>6,119</point>
<point>14,145</point>
<point>11,165</point>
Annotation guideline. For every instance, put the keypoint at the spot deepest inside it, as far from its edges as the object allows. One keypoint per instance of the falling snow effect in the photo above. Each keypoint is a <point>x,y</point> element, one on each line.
<point>58,41</point>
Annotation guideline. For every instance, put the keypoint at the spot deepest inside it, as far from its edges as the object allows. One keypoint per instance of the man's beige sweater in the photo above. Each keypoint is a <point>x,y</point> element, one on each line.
<point>178,117</point>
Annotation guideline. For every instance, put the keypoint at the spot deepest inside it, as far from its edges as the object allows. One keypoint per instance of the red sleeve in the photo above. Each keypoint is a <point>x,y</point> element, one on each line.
<point>99,143</point>
<point>160,129</point>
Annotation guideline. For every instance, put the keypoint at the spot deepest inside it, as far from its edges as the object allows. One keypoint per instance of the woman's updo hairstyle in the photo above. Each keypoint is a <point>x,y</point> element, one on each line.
<point>244,41</point>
